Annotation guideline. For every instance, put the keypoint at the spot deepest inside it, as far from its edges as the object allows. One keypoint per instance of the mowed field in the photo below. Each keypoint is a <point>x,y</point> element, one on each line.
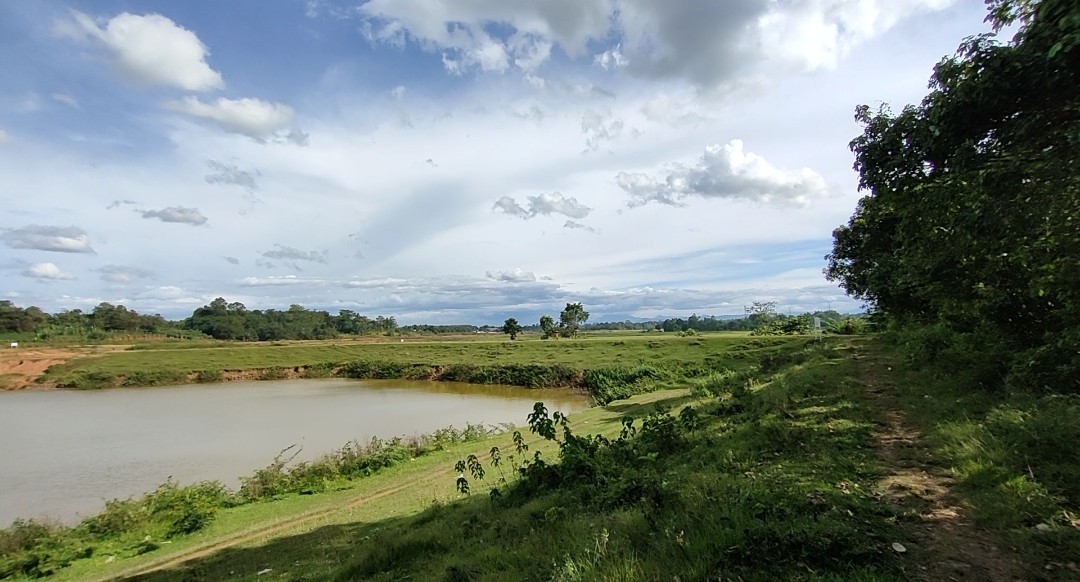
<point>600,350</point>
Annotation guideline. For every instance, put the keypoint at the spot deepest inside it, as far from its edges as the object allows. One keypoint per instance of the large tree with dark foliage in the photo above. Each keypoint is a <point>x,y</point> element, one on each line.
<point>971,222</point>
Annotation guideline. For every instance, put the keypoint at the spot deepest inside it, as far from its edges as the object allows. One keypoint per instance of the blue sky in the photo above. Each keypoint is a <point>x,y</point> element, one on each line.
<point>444,160</point>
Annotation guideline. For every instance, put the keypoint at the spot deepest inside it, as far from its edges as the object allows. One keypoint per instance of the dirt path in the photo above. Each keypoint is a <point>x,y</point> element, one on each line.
<point>20,367</point>
<point>946,545</point>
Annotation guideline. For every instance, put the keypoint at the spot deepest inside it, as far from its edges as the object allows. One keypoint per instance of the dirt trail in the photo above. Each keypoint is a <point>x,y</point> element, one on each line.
<point>20,367</point>
<point>946,545</point>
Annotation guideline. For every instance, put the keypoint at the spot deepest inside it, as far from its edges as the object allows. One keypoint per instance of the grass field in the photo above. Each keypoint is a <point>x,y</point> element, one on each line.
<point>529,362</point>
<point>804,460</point>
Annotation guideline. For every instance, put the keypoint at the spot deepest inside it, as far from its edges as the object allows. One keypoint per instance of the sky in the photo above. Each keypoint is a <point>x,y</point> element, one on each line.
<point>444,161</point>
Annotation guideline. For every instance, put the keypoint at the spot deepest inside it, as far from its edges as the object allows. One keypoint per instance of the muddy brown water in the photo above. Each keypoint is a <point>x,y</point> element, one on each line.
<point>63,453</point>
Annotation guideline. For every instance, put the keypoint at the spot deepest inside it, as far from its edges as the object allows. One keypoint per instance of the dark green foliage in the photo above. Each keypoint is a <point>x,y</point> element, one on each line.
<point>512,328</point>
<point>615,383</point>
<point>233,321</point>
<point>571,319</point>
<point>353,461</point>
<point>34,550</point>
<point>971,225</point>
<point>159,378</point>
<point>209,376</point>
<point>90,381</point>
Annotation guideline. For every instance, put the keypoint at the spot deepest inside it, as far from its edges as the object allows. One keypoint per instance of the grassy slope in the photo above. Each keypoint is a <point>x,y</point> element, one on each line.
<point>584,353</point>
<point>776,484</point>
<point>398,491</point>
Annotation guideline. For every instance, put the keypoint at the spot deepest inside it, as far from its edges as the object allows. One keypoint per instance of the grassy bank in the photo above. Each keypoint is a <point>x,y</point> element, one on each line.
<point>751,476</point>
<point>608,367</point>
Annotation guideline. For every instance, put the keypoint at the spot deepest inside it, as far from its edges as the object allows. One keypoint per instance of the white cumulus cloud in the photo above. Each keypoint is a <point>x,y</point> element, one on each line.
<point>706,43</point>
<point>150,49</point>
<point>47,271</point>
<point>726,171</point>
<point>179,214</point>
<point>60,239</point>
<point>252,117</point>
<point>122,274</point>
<point>546,204</point>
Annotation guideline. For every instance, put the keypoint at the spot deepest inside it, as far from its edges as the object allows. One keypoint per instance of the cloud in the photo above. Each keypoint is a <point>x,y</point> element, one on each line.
<point>230,174</point>
<point>122,274</point>
<point>545,204</point>
<point>254,118</point>
<point>232,260</point>
<point>515,276</point>
<point>4,137</point>
<point>398,92</point>
<point>284,253</point>
<point>726,172</point>
<point>295,136</point>
<point>66,100</point>
<point>60,239</point>
<point>599,128</point>
<point>578,226</point>
<point>117,203</point>
<point>286,281</point>
<point>706,43</point>
<point>611,59</point>
<point>47,271</point>
<point>667,110</point>
<point>179,214</point>
<point>150,49</point>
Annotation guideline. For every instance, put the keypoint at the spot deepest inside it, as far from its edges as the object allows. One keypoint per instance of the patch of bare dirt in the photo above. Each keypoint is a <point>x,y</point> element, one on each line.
<point>945,545</point>
<point>20,367</point>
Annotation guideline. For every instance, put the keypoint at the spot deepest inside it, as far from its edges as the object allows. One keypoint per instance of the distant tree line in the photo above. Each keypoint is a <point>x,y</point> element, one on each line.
<point>233,321</point>
<point>223,320</point>
<point>75,323</point>
<point>219,320</point>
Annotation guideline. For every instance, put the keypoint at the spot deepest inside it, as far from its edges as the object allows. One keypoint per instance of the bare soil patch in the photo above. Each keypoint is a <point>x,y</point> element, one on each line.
<point>21,367</point>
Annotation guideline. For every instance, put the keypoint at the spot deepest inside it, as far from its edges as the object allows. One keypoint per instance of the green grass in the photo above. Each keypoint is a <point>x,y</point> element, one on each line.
<point>1015,456</point>
<point>767,469</point>
<point>608,365</point>
<point>770,482</point>
<point>766,484</point>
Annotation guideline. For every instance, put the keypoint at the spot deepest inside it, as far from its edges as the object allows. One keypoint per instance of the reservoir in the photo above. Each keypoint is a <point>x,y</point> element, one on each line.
<point>63,452</point>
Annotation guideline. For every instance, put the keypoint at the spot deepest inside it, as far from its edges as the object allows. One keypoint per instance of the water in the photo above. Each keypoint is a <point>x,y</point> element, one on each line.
<point>63,453</point>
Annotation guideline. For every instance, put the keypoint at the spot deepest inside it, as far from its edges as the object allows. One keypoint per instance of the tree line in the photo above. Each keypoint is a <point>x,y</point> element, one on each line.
<point>761,319</point>
<point>967,242</point>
